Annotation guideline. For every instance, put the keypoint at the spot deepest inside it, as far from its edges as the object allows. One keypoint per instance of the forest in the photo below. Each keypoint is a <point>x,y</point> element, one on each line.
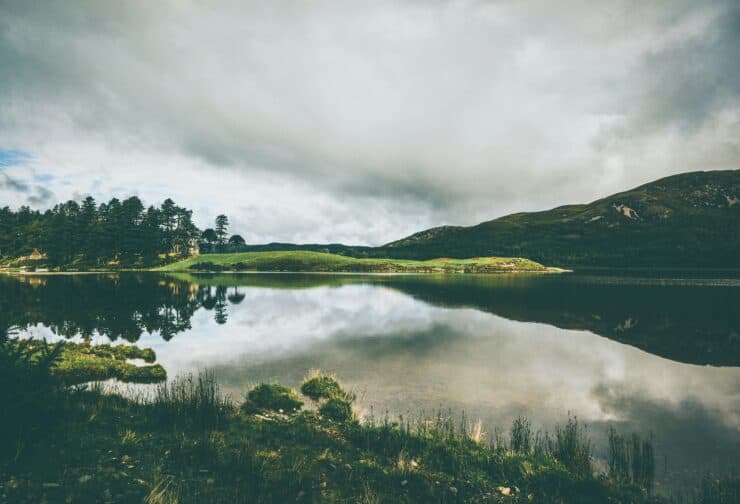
<point>121,232</point>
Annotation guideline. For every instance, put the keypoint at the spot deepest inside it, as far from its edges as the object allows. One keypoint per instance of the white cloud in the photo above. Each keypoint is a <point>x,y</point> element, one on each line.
<point>356,122</point>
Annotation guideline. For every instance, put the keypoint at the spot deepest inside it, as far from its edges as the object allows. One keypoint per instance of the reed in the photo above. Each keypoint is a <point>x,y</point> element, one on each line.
<point>191,401</point>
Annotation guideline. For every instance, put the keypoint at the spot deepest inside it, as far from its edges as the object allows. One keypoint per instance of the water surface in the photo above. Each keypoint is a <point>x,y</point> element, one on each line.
<point>655,355</point>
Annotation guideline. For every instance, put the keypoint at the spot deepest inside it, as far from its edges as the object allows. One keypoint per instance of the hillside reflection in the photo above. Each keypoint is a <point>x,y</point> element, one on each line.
<point>691,321</point>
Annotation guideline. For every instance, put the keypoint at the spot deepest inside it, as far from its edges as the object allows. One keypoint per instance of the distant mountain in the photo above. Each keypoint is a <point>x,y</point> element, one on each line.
<point>686,220</point>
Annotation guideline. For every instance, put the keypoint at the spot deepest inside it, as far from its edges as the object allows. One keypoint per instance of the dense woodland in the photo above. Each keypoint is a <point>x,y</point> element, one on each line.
<point>119,230</point>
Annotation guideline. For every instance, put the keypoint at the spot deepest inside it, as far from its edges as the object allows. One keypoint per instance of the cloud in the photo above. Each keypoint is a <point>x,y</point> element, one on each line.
<point>41,196</point>
<point>14,185</point>
<point>428,112</point>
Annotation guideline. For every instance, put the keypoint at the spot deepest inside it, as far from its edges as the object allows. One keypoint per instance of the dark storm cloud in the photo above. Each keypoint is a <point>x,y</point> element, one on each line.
<point>41,197</point>
<point>7,182</point>
<point>686,83</point>
<point>438,112</point>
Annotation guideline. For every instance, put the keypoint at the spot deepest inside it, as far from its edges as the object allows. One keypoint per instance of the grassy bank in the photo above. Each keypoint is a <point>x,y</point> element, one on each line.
<point>306,261</point>
<point>187,444</point>
<point>184,442</point>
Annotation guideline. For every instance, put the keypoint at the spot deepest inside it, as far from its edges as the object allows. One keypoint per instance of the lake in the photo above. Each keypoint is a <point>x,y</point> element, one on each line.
<point>659,355</point>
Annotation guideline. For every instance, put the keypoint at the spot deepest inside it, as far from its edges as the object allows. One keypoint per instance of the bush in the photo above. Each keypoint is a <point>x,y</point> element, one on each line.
<point>272,397</point>
<point>206,266</point>
<point>339,410</point>
<point>321,386</point>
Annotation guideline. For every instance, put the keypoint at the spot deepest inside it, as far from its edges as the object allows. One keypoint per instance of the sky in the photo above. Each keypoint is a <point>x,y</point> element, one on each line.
<point>362,122</point>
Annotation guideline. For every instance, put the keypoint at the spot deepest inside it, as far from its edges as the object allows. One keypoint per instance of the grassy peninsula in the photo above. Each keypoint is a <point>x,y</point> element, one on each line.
<point>309,261</point>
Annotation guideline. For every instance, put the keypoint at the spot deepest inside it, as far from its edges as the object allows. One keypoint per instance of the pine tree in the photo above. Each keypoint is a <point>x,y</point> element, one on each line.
<point>222,229</point>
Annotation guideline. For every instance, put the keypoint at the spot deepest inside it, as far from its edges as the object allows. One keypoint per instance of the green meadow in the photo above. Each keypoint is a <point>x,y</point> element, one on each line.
<point>309,261</point>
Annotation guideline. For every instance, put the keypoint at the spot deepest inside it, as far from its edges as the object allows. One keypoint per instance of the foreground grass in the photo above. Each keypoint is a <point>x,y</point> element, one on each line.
<point>302,260</point>
<point>187,444</point>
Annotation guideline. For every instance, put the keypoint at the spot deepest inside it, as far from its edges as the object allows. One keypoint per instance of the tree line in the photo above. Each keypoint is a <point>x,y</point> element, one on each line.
<point>118,230</point>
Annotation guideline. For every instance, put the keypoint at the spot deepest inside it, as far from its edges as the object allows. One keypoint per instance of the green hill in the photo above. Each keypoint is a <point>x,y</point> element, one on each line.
<point>686,220</point>
<point>308,261</point>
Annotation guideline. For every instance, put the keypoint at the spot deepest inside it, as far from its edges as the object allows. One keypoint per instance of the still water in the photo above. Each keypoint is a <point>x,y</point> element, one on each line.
<point>659,356</point>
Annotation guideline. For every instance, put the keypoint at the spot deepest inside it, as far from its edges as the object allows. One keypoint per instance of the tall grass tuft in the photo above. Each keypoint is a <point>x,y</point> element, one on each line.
<point>521,436</point>
<point>163,491</point>
<point>631,460</point>
<point>572,447</point>
<point>193,401</point>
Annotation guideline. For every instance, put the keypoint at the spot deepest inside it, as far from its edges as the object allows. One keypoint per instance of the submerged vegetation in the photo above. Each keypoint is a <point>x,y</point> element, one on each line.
<point>307,261</point>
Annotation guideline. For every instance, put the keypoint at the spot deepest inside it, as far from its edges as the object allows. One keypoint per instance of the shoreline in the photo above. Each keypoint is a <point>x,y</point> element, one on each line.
<point>282,272</point>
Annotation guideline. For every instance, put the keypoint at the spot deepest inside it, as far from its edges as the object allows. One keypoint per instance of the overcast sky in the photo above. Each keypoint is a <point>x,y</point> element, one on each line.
<point>362,122</point>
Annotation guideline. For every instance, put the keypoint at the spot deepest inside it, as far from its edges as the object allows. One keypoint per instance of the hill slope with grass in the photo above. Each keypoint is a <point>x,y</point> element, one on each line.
<point>686,220</point>
<point>309,261</point>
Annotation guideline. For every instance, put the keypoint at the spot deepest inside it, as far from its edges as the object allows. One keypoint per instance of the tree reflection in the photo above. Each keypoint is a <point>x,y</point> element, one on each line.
<point>121,306</point>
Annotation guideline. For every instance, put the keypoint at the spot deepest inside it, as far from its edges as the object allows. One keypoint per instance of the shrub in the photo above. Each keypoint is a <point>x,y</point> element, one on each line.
<point>29,395</point>
<point>206,266</point>
<point>321,386</point>
<point>339,410</point>
<point>272,397</point>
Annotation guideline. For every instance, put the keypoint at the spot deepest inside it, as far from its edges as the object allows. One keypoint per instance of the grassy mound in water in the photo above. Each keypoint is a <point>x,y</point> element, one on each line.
<point>84,362</point>
<point>320,262</point>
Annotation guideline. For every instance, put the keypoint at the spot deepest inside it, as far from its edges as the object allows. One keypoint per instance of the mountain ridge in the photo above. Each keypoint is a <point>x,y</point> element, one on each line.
<point>689,219</point>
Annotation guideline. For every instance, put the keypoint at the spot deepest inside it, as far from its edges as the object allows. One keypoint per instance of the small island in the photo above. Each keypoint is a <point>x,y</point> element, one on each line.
<point>298,261</point>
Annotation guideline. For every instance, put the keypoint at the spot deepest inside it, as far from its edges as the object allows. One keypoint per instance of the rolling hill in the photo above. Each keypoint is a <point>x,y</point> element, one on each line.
<point>320,262</point>
<point>686,220</point>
